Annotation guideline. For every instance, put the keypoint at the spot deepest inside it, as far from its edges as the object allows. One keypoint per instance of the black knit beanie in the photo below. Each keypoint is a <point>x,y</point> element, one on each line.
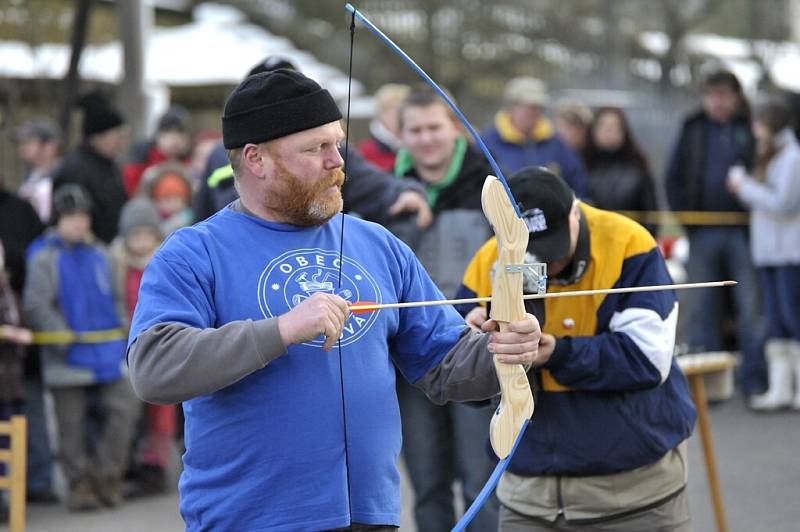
<point>98,114</point>
<point>274,104</point>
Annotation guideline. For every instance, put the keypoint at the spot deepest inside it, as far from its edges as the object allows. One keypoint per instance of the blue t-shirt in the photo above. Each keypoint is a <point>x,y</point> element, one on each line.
<point>268,452</point>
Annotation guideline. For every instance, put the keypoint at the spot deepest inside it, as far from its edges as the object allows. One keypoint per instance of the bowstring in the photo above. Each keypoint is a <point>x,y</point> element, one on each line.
<point>341,260</point>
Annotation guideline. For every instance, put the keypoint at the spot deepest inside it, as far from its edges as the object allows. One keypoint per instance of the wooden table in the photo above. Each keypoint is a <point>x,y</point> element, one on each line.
<point>695,367</point>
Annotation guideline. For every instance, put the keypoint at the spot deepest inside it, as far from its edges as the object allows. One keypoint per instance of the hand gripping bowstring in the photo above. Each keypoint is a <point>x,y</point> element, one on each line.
<point>516,406</point>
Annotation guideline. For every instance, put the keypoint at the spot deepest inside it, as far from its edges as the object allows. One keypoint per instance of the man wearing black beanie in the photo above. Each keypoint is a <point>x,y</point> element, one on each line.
<point>237,316</point>
<point>93,164</point>
<point>371,193</point>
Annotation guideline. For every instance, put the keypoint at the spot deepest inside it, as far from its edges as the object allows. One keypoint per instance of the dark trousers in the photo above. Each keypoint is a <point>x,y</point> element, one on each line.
<point>780,286</point>
<point>442,444</point>
<point>40,453</point>
<point>120,407</point>
<point>720,253</point>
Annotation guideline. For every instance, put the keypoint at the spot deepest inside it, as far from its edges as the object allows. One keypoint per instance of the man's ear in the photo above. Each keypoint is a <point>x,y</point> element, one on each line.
<point>254,160</point>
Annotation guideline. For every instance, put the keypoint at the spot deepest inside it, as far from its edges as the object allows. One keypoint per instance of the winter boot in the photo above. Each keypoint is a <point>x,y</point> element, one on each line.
<point>82,497</point>
<point>108,490</point>
<point>794,356</point>
<point>779,368</point>
<point>149,480</point>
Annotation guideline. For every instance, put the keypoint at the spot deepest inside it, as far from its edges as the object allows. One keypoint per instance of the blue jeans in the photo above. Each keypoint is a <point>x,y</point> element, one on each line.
<point>781,289</point>
<point>715,254</point>
<point>40,455</point>
<point>441,444</point>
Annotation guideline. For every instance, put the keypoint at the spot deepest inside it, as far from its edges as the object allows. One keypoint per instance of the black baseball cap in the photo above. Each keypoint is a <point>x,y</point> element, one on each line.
<point>545,202</point>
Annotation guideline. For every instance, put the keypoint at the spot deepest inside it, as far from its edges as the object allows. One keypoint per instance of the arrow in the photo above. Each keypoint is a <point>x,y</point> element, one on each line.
<point>361,307</point>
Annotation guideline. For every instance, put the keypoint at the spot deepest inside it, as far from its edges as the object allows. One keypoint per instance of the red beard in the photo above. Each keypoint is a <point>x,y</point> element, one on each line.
<point>302,202</point>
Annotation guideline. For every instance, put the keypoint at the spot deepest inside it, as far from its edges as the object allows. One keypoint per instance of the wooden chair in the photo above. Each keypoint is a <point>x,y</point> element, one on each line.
<point>14,478</point>
<point>696,368</point>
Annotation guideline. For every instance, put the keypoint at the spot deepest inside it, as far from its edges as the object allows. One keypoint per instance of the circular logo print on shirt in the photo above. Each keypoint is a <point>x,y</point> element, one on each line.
<point>296,275</point>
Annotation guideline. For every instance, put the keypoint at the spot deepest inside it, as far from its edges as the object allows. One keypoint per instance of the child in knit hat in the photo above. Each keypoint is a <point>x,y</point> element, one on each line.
<point>169,186</point>
<point>140,236</point>
<point>69,296</point>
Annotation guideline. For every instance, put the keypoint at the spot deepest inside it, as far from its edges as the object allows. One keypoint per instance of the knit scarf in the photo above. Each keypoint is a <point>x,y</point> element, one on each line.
<point>404,163</point>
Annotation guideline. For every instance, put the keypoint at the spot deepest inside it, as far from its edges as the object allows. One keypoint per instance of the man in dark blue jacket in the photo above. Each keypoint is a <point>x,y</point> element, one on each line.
<point>711,141</point>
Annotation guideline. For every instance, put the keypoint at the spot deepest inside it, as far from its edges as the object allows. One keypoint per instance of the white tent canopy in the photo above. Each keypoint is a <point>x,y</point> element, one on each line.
<point>218,47</point>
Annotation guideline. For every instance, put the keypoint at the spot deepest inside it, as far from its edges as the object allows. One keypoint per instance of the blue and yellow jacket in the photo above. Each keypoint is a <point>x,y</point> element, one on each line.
<point>612,396</point>
<point>539,147</point>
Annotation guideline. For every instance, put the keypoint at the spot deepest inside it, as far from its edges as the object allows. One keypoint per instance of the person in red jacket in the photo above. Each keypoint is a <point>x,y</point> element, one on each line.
<point>382,145</point>
<point>172,142</point>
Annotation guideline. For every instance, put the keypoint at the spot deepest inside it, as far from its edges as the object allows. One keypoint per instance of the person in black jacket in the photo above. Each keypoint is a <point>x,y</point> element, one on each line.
<point>711,141</point>
<point>619,176</point>
<point>93,164</point>
<point>19,226</point>
<point>442,444</point>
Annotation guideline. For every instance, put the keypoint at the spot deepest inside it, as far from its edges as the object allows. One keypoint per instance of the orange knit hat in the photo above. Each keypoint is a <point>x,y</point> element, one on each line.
<point>171,185</point>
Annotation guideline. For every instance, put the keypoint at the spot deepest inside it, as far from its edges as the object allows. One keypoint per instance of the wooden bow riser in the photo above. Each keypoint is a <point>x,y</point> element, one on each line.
<point>516,402</point>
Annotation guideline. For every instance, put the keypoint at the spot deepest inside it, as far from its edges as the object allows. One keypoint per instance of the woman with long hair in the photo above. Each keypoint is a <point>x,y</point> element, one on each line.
<point>619,175</point>
<point>773,195</point>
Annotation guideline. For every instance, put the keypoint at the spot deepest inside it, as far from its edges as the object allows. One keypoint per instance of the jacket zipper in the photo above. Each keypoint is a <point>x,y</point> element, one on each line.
<point>559,500</point>
<point>558,497</point>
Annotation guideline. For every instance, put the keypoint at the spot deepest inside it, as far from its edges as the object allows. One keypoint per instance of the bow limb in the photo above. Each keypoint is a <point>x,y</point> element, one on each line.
<point>514,384</point>
<point>463,119</point>
<point>511,419</point>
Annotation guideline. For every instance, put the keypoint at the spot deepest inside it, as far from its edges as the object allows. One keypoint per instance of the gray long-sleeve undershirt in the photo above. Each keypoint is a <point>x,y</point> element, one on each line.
<point>172,362</point>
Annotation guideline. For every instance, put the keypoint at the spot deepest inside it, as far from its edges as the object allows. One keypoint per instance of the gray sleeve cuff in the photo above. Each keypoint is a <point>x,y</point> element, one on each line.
<point>268,342</point>
<point>466,373</point>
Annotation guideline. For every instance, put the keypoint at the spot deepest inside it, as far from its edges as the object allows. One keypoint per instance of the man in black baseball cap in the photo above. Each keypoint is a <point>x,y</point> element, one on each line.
<point>553,216</point>
<point>606,368</point>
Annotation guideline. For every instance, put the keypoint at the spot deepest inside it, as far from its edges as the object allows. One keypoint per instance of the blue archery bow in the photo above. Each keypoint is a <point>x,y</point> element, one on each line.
<point>502,465</point>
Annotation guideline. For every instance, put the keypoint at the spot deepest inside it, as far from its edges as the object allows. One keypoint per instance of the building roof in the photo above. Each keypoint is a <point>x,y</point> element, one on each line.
<point>217,48</point>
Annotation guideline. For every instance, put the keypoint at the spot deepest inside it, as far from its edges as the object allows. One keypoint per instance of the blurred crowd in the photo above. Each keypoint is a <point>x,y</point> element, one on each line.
<point>76,236</point>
